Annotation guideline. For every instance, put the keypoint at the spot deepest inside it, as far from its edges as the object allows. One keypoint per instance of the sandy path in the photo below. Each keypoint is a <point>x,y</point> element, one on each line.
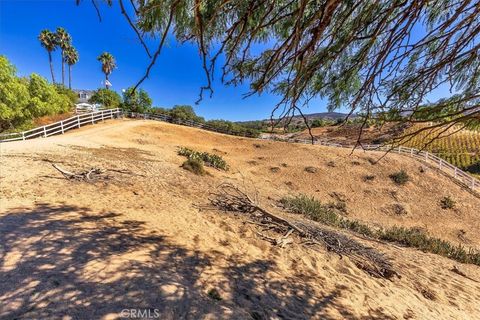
<point>87,251</point>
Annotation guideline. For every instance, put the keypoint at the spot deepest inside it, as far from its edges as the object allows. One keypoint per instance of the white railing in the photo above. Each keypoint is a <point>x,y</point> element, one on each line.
<point>90,118</point>
<point>456,173</point>
<point>61,127</point>
<point>424,156</point>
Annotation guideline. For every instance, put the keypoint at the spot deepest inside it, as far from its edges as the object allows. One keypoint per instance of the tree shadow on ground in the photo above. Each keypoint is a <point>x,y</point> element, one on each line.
<point>68,262</point>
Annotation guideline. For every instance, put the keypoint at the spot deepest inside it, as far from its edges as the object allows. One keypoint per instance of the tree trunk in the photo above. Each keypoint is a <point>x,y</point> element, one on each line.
<point>63,68</point>
<point>51,65</point>
<point>69,77</point>
<point>106,80</point>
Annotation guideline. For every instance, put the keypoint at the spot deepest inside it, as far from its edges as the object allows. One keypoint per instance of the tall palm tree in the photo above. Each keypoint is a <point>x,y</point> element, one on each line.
<point>108,64</point>
<point>64,41</point>
<point>71,58</point>
<point>48,40</point>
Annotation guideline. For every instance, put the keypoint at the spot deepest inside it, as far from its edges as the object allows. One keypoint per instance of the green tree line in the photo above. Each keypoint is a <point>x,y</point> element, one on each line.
<point>23,99</point>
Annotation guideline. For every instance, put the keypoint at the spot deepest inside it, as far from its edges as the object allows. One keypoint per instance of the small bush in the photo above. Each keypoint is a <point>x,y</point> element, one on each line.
<point>447,203</point>
<point>195,166</point>
<point>311,208</point>
<point>401,177</point>
<point>338,205</point>
<point>211,160</point>
<point>368,177</point>
<point>213,294</point>
<point>311,169</point>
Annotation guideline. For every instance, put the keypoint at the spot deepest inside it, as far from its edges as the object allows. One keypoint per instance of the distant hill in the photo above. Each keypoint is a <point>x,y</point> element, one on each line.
<point>326,115</point>
<point>313,116</point>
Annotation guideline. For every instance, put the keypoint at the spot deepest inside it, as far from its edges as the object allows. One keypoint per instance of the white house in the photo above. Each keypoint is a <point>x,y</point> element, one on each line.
<point>83,104</point>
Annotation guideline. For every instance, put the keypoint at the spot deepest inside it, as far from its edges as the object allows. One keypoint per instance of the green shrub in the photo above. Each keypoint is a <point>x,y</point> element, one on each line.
<point>401,177</point>
<point>414,237</point>
<point>195,166</point>
<point>447,203</point>
<point>312,209</point>
<point>211,160</point>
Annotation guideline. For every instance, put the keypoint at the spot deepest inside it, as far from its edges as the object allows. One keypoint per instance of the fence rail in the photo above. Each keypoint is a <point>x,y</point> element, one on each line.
<point>61,127</point>
<point>424,156</point>
<point>90,118</point>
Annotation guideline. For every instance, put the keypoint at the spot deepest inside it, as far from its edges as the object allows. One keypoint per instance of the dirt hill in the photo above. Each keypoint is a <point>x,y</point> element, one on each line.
<point>144,238</point>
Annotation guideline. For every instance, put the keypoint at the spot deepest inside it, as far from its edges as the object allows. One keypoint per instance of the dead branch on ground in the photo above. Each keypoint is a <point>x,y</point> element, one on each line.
<point>91,175</point>
<point>229,197</point>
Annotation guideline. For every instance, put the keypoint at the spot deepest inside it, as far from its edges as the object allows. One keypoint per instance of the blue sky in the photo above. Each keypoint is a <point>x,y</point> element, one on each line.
<point>175,79</point>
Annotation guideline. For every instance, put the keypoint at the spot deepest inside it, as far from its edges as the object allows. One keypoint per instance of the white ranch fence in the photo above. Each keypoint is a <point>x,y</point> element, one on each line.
<point>93,117</point>
<point>424,156</point>
<point>61,127</point>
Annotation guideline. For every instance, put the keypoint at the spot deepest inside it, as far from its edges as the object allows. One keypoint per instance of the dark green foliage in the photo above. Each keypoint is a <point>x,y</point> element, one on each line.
<point>187,113</point>
<point>195,166</point>
<point>401,177</point>
<point>184,112</point>
<point>447,203</point>
<point>213,293</point>
<point>211,160</point>
<point>234,128</point>
<point>136,101</point>
<point>107,98</point>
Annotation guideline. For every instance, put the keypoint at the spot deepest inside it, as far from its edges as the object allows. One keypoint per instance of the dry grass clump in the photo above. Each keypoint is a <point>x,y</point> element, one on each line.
<point>311,169</point>
<point>401,177</point>
<point>447,203</point>
<point>195,166</point>
<point>410,237</point>
<point>211,160</point>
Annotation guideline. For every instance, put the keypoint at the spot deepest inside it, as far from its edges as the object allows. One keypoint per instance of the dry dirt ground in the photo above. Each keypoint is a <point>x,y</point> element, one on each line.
<point>141,239</point>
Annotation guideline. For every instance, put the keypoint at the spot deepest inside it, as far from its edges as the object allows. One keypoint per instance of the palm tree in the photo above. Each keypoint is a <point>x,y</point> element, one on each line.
<point>108,64</point>
<point>64,41</point>
<point>48,40</point>
<point>71,58</point>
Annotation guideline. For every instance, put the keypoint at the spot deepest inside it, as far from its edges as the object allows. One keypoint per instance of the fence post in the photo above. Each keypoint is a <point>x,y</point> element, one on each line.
<point>111,113</point>
<point>44,132</point>
<point>441,162</point>
<point>92,119</point>
<point>78,121</point>
<point>23,135</point>
<point>61,126</point>
<point>455,173</point>
<point>426,156</point>
<point>473,183</point>
<point>102,117</point>
<point>411,152</point>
